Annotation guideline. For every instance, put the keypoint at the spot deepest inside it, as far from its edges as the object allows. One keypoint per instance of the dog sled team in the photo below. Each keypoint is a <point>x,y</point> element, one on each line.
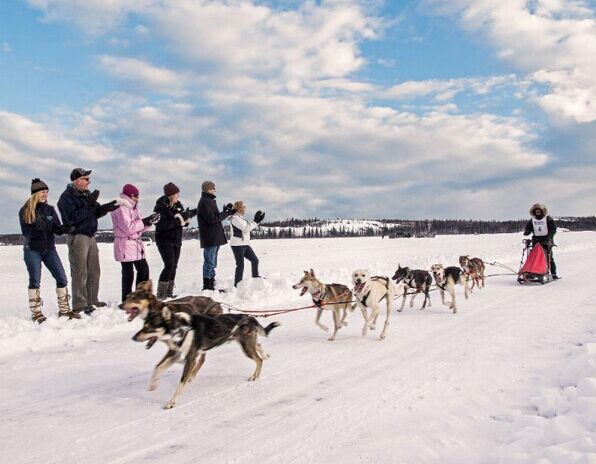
<point>192,325</point>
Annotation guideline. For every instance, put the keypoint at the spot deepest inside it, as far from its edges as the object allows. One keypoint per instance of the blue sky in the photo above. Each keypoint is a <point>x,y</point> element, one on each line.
<point>340,108</point>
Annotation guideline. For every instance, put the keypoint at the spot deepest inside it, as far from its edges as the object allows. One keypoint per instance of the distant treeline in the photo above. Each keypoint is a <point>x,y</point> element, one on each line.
<point>323,228</point>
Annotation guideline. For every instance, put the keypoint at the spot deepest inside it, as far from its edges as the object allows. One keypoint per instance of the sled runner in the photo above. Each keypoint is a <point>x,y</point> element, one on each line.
<point>536,267</point>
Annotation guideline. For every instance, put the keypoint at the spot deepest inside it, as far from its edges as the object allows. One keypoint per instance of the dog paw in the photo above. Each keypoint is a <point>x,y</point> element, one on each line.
<point>331,339</point>
<point>152,386</point>
<point>169,405</point>
<point>372,327</point>
<point>324,328</point>
<point>252,378</point>
<point>400,310</point>
<point>364,332</point>
<point>382,337</point>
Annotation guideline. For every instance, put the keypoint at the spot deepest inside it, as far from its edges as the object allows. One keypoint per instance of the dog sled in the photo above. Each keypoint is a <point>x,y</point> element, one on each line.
<point>536,267</point>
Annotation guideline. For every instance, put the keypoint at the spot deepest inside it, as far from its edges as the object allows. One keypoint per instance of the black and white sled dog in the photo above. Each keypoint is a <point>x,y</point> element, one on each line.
<point>190,336</point>
<point>142,300</point>
<point>446,279</point>
<point>336,297</point>
<point>417,280</point>
<point>369,291</point>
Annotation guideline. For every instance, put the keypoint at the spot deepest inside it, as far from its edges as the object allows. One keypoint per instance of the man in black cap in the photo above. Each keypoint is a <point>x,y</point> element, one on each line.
<point>79,208</point>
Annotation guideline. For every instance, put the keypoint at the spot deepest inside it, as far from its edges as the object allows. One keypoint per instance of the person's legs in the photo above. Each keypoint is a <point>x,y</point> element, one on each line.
<point>239,258</point>
<point>254,261</point>
<point>142,271</point>
<point>168,257</point>
<point>54,264</point>
<point>209,261</point>
<point>176,252</point>
<point>33,261</point>
<point>77,257</point>
<point>93,272</point>
<point>127,278</point>
<point>553,265</point>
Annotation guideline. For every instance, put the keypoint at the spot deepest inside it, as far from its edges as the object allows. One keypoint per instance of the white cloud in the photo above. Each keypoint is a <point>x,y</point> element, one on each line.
<point>547,37</point>
<point>5,47</point>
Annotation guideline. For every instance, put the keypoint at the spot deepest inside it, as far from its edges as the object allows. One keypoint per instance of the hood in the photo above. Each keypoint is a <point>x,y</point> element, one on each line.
<point>539,206</point>
<point>126,201</point>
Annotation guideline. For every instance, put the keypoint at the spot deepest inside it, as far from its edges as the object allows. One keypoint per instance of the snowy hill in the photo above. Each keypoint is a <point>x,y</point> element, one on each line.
<point>511,378</point>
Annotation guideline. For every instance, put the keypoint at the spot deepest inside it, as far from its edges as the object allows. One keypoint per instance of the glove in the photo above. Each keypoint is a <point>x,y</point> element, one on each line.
<point>229,208</point>
<point>190,213</point>
<point>151,219</point>
<point>92,198</point>
<point>259,216</point>
<point>65,229</point>
<point>110,206</point>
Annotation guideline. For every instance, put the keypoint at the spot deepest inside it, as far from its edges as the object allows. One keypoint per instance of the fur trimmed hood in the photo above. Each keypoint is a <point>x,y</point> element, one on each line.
<point>540,206</point>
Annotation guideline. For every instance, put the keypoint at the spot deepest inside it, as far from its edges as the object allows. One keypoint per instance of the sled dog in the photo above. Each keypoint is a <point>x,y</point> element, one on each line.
<point>474,267</point>
<point>189,336</point>
<point>446,279</point>
<point>142,300</point>
<point>369,291</point>
<point>413,279</point>
<point>336,297</point>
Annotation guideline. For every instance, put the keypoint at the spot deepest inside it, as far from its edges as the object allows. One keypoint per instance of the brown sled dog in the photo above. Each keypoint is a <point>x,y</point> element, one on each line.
<point>336,297</point>
<point>474,267</point>
<point>142,300</point>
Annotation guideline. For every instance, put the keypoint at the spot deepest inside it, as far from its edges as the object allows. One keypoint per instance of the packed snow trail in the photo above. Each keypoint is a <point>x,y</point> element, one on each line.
<point>440,388</point>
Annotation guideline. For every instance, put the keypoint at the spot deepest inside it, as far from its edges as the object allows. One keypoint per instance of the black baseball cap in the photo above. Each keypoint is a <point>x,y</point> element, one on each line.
<point>78,172</point>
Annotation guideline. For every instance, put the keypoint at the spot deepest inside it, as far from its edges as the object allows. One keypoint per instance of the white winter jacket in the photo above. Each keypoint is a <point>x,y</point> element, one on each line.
<point>241,228</point>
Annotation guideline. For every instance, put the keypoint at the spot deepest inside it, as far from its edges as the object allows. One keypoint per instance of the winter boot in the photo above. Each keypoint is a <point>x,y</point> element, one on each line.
<point>162,290</point>
<point>35,305</point>
<point>63,305</point>
<point>206,283</point>
<point>171,289</point>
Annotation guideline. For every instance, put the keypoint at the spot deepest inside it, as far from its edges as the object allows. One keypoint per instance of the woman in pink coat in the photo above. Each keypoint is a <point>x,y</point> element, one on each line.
<point>129,249</point>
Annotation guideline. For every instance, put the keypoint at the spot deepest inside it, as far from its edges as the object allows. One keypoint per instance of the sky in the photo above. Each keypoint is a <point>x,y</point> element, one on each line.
<point>339,108</point>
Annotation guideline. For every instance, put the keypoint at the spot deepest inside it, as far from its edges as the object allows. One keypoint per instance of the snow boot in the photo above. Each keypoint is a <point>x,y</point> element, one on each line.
<point>35,304</point>
<point>63,305</point>
<point>162,290</point>
<point>171,289</point>
<point>207,283</point>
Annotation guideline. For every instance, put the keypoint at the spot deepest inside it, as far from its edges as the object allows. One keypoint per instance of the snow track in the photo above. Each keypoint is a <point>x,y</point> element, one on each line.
<point>439,388</point>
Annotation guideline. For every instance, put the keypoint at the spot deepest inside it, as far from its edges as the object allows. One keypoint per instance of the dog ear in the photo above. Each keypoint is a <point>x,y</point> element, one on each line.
<point>312,273</point>
<point>166,313</point>
<point>146,286</point>
<point>306,273</point>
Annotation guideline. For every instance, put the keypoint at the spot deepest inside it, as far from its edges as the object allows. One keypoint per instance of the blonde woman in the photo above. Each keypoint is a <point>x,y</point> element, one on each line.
<point>39,223</point>
<point>240,241</point>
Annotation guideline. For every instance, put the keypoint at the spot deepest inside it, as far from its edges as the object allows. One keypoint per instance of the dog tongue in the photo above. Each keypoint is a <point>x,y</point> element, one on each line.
<point>132,313</point>
<point>150,342</point>
<point>303,291</point>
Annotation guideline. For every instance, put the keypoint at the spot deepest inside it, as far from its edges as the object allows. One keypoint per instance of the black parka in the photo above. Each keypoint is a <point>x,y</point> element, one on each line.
<point>39,236</point>
<point>168,229</point>
<point>211,231</point>
<point>76,209</point>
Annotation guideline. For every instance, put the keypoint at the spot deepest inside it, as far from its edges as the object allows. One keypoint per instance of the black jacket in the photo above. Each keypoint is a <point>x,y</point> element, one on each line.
<point>39,236</point>
<point>76,209</point>
<point>552,230</point>
<point>168,230</point>
<point>211,231</point>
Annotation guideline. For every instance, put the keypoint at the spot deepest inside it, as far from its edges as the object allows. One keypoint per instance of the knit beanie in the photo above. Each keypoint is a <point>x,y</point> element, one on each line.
<point>37,185</point>
<point>129,190</point>
<point>170,189</point>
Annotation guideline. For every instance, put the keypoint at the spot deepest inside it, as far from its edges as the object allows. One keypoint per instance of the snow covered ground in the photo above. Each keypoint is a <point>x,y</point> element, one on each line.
<point>511,378</point>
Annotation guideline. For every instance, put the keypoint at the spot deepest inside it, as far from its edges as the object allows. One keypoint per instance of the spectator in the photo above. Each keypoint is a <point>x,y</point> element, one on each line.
<point>211,231</point>
<point>168,236</point>
<point>129,249</point>
<point>39,223</point>
<point>240,241</point>
<point>79,208</point>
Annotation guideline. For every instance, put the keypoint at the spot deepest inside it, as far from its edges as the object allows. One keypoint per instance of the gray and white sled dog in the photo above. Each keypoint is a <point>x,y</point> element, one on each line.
<point>446,279</point>
<point>417,280</point>
<point>369,291</point>
<point>336,297</point>
<point>190,336</point>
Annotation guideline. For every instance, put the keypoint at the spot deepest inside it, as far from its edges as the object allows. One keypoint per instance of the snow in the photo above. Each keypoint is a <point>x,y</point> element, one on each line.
<point>511,378</point>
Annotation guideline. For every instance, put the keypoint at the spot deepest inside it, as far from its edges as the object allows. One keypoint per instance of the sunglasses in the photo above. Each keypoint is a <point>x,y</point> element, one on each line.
<point>134,195</point>
<point>85,179</point>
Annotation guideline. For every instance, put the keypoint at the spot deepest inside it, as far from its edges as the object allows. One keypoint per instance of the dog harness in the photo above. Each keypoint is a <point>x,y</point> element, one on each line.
<point>376,279</point>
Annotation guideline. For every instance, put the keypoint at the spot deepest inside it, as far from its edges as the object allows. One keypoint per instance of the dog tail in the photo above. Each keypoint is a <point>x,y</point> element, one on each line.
<point>265,330</point>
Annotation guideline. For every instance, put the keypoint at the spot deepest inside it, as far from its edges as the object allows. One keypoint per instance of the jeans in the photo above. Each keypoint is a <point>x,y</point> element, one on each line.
<point>210,262</point>
<point>128,274</point>
<point>170,254</point>
<point>241,252</point>
<point>50,258</point>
